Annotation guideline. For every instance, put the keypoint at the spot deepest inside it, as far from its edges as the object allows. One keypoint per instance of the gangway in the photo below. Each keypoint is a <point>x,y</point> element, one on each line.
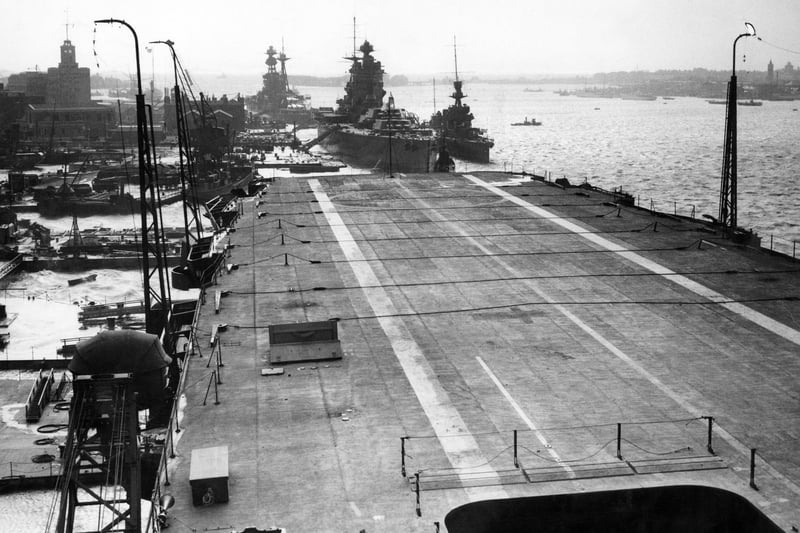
<point>313,142</point>
<point>8,267</point>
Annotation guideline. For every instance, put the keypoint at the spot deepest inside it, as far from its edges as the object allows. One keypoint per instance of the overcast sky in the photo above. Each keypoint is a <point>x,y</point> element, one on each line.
<point>495,37</point>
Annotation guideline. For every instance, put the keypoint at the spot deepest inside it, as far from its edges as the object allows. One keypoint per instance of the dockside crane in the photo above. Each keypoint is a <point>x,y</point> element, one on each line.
<point>192,223</point>
<point>198,258</point>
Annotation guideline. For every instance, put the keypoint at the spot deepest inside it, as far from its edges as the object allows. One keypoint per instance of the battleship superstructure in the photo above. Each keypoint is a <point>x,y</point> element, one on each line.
<point>368,133</point>
<point>460,138</point>
<point>276,100</point>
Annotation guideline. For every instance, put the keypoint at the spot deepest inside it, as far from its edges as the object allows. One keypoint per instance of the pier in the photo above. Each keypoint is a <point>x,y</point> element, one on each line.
<point>116,309</point>
<point>7,267</point>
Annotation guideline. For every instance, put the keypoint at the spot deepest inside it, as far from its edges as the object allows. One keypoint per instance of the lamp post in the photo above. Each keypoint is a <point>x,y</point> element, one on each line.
<point>153,258</point>
<point>727,193</point>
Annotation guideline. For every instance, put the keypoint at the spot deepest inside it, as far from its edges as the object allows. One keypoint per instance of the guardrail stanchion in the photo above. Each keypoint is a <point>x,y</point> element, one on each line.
<point>753,469</point>
<point>416,478</point>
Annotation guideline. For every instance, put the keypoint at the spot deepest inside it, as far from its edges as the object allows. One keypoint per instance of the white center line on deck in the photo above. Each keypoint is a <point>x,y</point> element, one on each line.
<point>760,319</point>
<point>525,418</point>
<point>356,510</point>
<point>506,394</point>
<point>460,447</point>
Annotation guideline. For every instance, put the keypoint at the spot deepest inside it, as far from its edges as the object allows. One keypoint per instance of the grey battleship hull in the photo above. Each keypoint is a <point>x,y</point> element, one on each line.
<point>365,149</point>
<point>476,150</point>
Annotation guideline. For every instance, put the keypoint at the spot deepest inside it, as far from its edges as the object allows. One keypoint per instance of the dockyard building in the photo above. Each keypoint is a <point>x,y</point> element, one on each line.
<point>68,84</point>
<point>64,115</point>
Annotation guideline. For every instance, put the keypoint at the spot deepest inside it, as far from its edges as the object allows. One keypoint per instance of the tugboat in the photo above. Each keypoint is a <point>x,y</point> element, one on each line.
<point>279,104</point>
<point>455,127</point>
<point>368,134</point>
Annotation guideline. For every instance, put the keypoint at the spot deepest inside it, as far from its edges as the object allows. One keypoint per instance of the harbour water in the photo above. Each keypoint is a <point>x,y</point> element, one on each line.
<point>667,153</point>
<point>46,305</point>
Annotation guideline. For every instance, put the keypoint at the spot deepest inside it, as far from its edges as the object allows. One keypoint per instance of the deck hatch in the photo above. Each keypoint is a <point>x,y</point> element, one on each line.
<point>304,341</point>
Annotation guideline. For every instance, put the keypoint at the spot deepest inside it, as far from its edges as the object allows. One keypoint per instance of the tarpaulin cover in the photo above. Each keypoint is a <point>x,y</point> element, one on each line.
<point>118,351</point>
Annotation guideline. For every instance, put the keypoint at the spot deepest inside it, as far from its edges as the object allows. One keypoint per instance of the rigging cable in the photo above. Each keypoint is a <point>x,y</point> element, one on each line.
<point>778,47</point>
<point>458,256</point>
<point>516,278</point>
<point>416,314</point>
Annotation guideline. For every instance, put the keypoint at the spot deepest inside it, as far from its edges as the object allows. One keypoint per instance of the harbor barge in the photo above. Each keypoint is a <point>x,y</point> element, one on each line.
<point>491,339</point>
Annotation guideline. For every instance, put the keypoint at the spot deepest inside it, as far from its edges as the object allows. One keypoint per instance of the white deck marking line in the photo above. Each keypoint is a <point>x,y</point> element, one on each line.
<point>539,435</point>
<point>356,510</point>
<point>461,449</point>
<point>762,320</point>
<point>510,399</point>
<point>656,268</point>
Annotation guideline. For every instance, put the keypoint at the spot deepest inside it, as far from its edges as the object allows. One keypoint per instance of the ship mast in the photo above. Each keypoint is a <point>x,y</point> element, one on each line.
<point>455,55</point>
<point>284,77</point>
<point>457,95</point>
<point>434,94</point>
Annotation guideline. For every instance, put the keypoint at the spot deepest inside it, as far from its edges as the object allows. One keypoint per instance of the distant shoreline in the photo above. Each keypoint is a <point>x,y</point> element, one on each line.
<point>614,78</point>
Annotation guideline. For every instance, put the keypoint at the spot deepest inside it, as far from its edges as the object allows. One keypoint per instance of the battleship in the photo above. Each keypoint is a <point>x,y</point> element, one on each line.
<point>366,133</point>
<point>454,125</point>
<point>279,104</point>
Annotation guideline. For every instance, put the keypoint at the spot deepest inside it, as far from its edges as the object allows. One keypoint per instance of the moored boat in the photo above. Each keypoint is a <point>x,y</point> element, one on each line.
<point>102,203</point>
<point>222,182</point>
<point>84,279</point>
